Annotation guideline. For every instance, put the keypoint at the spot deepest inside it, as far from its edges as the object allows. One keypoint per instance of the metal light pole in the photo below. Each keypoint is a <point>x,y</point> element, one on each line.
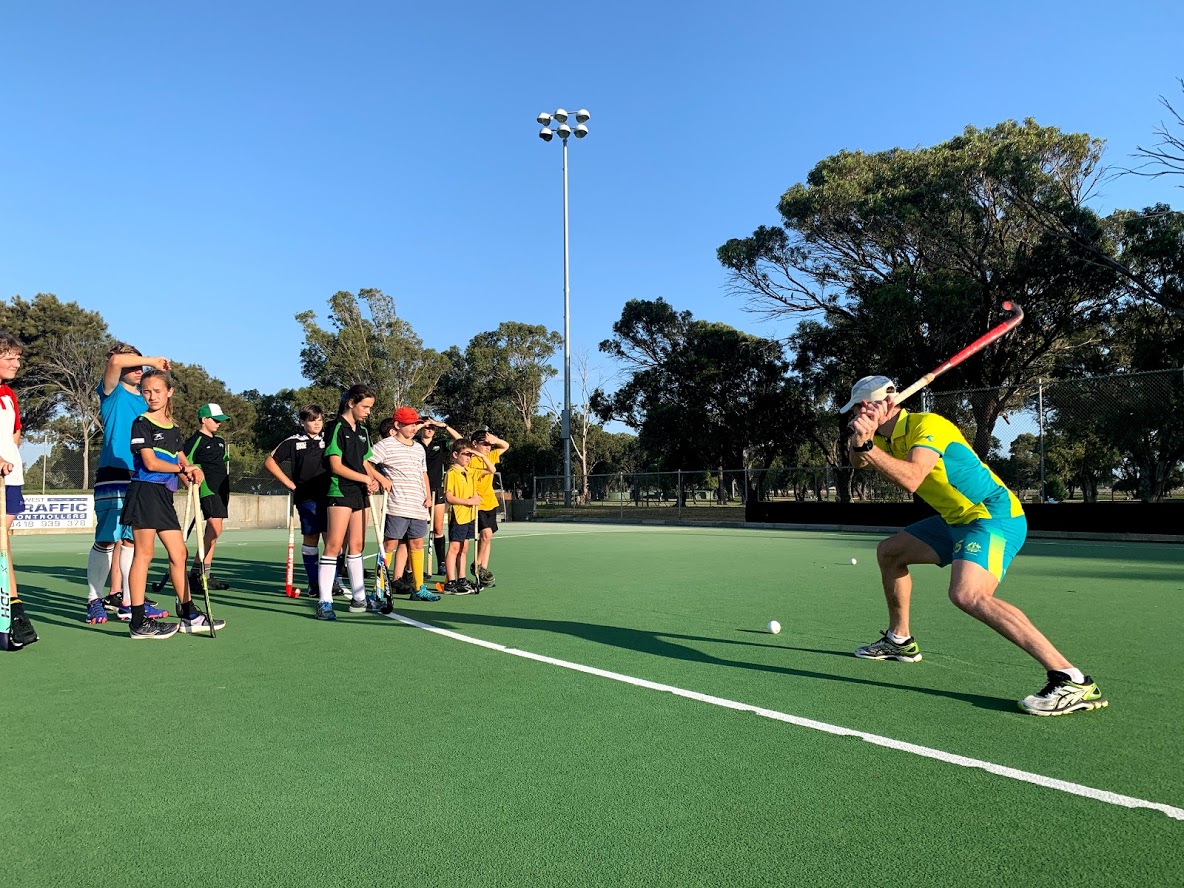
<point>546,134</point>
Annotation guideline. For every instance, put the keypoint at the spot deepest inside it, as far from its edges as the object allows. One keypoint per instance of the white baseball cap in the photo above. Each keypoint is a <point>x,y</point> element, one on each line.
<point>870,388</point>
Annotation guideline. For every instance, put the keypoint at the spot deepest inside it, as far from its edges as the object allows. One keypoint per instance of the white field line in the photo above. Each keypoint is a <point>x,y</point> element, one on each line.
<point>1089,792</point>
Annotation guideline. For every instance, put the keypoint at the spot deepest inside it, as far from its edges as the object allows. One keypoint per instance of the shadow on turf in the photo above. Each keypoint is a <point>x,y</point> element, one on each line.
<point>46,606</point>
<point>657,643</point>
<point>250,590</point>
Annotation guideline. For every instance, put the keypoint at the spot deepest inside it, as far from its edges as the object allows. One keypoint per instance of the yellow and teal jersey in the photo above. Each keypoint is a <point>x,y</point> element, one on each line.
<point>961,487</point>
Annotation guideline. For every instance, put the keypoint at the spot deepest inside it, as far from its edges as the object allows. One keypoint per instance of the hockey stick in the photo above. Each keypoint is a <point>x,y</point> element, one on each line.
<point>476,567</point>
<point>995,333</point>
<point>199,521</point>
<point>289,589</point>
<point>5,571</point>
<point>384,587</point>
<point>163,581</point>
<point>431,541</point>
<point>429,544</point>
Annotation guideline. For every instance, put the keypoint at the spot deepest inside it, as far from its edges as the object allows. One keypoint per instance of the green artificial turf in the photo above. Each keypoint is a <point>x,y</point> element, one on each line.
<point>368,752</point>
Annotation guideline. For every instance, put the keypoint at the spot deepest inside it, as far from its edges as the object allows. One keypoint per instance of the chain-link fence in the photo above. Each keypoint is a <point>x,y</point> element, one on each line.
<point>702,495</point>
<point>706,495</point>
<point>1115,437</point>
<point>1102,437</point>
<point>60,467</point>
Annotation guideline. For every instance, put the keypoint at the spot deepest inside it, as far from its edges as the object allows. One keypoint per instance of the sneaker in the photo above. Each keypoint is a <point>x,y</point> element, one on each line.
<point>448,588</point>
<point>424,594</point>
<point>212,582</point>
<point>325,610</point>
<point>1062,695</point>
<point>113,602</point>
<point>887,649</point>
<point>154,629</point>
<point>357,605</point>
<point>340,590</point>
<point>199,623</point>
<point>96,613</point>
<point>483,574</point>
<point>151,612</point>
<point>21,632</point>
<point>373,605</point>
<point>464,587</point>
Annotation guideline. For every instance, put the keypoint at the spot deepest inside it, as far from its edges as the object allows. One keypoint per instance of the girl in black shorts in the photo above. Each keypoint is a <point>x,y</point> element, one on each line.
<point>352,480</point>
<point>148,507</point>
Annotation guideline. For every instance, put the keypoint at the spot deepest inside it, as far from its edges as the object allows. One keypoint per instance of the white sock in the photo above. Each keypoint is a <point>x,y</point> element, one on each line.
<point>326,572</point>
<point>1074,674</point>
<point>98,568</point>
<point>126,553</point>
<point>897,639</point>
<point>357,585</point>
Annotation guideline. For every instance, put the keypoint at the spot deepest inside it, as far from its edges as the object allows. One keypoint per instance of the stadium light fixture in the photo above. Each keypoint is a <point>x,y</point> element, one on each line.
<point>547,133</point>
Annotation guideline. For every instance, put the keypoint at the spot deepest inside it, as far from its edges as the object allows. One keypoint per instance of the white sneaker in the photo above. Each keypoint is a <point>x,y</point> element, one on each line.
<point>200,624</point>
<point>1062,696</point>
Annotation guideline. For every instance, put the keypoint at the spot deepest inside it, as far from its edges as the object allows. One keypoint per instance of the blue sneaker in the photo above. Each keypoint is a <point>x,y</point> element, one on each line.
<point>325,610</point>
<point>424,594</point>
<point>151,612</point>
<point>113,602</point>
<point>95,613</point>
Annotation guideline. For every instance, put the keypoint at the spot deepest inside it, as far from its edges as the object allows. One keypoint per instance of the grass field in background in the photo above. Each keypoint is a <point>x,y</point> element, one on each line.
<point>373,752</point>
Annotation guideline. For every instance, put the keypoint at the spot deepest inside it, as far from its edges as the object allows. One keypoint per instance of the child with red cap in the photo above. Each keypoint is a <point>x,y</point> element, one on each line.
<point>403,461</point>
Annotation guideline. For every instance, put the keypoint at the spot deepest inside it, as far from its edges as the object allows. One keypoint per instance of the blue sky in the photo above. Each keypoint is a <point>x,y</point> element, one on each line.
<point>199,174</point>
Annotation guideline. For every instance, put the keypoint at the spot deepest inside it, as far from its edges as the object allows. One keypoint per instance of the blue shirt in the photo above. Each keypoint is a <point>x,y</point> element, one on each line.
<point>118,410</point>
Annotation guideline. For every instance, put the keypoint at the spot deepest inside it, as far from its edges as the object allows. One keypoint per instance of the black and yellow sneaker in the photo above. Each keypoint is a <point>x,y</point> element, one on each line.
<point>1062,695</point>
<point>887,649</point>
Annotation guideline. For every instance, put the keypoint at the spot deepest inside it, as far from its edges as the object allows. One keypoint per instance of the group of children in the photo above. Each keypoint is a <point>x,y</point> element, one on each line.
<point>333,472</point>
<point>142,460</point>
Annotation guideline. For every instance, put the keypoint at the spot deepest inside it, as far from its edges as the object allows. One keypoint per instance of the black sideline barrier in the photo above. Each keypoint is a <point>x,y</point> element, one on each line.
<point>1142,519</point>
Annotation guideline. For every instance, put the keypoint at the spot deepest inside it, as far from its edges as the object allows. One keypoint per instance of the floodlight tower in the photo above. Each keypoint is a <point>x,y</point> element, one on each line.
<point>547,133</point>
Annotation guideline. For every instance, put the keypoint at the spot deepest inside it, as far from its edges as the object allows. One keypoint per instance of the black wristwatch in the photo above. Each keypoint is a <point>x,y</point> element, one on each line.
<point>864,447</point>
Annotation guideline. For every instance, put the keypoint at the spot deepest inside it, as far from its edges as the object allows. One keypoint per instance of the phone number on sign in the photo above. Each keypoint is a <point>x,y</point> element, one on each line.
<point>47,512</point>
